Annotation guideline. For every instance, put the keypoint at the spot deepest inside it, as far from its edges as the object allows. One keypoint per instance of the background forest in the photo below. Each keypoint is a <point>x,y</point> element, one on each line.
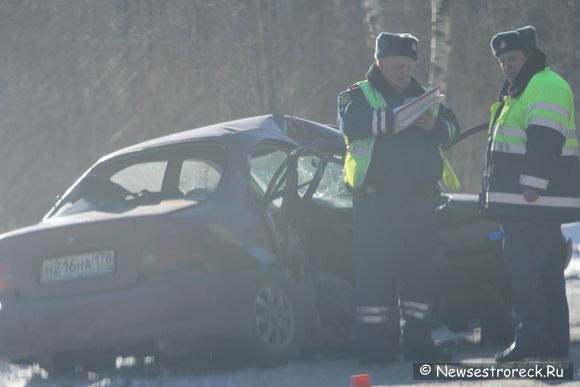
<point>80,78</point>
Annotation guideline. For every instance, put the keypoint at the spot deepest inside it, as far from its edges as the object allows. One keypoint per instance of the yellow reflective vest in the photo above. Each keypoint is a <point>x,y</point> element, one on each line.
<point>359,152</point>
<point>546,104</point>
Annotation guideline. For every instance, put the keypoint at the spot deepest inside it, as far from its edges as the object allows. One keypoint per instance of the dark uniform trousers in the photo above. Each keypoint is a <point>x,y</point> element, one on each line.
<point>534,256</point>
<point>393,246</point>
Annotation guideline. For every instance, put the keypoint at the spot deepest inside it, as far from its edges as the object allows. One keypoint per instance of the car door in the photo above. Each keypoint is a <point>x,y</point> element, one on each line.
<point>284,201</point>
<point>315,248</point>
<point>472,280</point>
<point>467,238</point>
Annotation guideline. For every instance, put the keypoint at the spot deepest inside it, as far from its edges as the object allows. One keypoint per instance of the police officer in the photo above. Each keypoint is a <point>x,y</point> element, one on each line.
<point>531,184</point>
<point>392,177</point>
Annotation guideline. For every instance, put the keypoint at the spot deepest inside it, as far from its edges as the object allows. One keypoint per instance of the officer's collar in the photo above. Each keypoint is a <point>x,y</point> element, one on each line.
<point>378,81</point>
<point>535,63</point>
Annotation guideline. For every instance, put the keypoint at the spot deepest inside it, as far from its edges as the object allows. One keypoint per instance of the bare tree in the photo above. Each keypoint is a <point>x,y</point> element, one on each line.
<point>82,78</point>
<point>267,58</point>
<point>440,43</point>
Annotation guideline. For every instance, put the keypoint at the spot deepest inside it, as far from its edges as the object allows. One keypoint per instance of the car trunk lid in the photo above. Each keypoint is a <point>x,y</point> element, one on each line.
<point>83,253</point>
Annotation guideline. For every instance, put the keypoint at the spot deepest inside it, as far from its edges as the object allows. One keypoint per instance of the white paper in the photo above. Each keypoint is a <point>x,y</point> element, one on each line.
<point>413,108</point>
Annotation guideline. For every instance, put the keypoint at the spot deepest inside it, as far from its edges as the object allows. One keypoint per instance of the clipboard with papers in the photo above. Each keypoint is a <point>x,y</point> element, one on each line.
<point>413,108</point>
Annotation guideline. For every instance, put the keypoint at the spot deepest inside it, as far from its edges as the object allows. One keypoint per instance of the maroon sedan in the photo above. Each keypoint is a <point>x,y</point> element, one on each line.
<point>234,232</point>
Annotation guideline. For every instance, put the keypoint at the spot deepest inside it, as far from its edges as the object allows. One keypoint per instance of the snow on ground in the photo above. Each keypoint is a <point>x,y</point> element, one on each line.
<point>572,230</point>
<point>319,372</point>
<point>314,371</point>
<point>311,372</point>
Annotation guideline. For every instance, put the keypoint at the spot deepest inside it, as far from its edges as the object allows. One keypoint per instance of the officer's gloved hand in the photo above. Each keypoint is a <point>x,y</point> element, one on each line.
<point>531,194</point>
<point>425,121</point>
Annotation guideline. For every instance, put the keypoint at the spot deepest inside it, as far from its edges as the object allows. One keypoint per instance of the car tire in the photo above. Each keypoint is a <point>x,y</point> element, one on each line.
<point>277,321</point>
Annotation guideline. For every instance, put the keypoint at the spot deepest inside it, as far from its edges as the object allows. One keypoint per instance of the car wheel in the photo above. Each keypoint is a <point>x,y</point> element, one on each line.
<point>278,322</point>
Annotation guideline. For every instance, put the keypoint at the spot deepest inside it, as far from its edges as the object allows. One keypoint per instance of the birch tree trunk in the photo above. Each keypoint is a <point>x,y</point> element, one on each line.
<point>440,43</point>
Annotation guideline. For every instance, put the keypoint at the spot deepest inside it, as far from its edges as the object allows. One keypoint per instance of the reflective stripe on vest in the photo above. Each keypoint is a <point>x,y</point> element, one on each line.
<point>512,140</point>
<point>542,201</point>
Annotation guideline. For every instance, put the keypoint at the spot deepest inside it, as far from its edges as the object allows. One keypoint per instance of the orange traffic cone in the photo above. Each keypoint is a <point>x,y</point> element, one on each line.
<point>361,380</point>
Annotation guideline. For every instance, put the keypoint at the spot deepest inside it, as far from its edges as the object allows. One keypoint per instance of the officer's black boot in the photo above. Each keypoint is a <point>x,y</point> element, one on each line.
<point>518,352</point>
<point>526,346</point>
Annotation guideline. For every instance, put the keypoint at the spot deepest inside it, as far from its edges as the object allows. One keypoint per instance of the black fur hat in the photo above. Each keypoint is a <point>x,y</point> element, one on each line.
<point>521,39</point>
<point>389,44</point>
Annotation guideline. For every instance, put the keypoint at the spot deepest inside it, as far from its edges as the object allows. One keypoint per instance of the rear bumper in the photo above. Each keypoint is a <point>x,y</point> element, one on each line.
<point>181,306</point>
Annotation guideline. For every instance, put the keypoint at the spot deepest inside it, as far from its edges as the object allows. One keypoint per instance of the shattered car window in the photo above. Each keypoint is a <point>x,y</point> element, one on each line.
<point>198,177</point>
<point>332,184</point>
<point>143,176</point>
<point>307,166</point>
<point>264,163</point>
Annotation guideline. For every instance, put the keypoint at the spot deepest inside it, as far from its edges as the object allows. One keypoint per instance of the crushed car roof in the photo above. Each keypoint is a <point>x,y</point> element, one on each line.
<point>267,122</point>
<point>275,125</point>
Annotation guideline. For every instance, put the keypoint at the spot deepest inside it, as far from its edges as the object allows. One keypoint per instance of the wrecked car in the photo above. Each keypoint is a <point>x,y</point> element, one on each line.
<point>235,232</point>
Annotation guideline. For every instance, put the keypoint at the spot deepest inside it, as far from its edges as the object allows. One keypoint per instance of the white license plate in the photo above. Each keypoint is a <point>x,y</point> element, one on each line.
<point>78,266</point>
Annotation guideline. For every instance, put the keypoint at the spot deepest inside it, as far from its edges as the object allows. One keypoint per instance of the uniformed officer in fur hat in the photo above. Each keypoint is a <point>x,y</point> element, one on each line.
<point>392,177</point>
<point>531,185</point>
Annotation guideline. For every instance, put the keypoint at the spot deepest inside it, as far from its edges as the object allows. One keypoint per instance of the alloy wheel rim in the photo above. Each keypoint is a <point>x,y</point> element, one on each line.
<point>274,316</point>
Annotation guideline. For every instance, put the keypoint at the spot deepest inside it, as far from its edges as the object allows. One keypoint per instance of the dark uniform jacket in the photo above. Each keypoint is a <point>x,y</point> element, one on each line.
<point>408,162</point>
<point>543,158</point>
